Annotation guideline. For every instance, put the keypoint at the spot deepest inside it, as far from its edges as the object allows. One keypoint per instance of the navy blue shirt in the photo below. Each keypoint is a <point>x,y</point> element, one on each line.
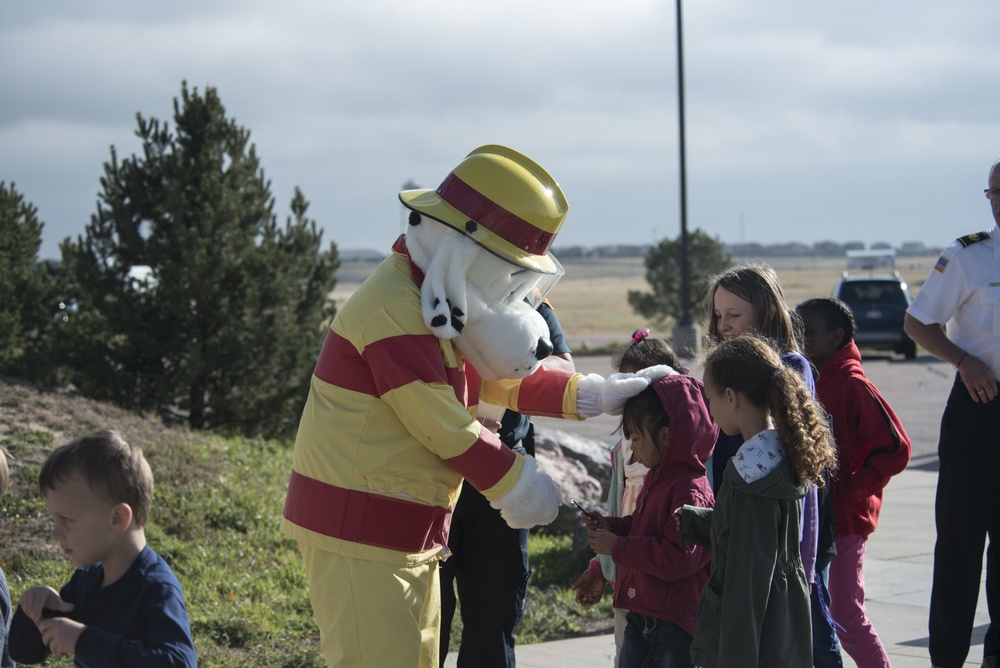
<point>138,620</point>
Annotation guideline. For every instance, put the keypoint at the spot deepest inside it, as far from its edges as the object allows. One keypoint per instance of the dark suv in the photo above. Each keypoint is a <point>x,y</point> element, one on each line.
<point>879,304</point>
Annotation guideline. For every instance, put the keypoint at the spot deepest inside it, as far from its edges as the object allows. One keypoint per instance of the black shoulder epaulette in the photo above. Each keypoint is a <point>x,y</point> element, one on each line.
<point>973,238</point>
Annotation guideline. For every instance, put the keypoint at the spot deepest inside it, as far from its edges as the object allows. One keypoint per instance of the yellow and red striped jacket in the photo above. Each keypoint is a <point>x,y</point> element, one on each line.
<point>389,432</point>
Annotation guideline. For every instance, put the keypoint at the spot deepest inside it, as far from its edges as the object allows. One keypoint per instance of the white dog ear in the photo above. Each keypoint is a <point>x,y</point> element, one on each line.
<point>443,296</point>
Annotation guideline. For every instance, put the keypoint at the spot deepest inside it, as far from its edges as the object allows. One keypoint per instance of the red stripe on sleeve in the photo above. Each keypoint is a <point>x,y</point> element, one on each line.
<point>485,462</point>
<point>542,392</point>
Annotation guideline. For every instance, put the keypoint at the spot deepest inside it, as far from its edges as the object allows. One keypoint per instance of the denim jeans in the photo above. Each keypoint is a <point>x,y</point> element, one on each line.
<point>489,569</point>
<point>654,643</point>
<point>826,648</point>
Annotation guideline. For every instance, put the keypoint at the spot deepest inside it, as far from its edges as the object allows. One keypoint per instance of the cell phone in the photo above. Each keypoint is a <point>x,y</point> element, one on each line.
<point>583,510</point>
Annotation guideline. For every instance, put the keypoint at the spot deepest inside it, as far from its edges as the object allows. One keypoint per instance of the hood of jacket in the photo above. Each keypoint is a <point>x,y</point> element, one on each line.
<point>843,363</point>
<point>692,433</point>
<point>781,483</point>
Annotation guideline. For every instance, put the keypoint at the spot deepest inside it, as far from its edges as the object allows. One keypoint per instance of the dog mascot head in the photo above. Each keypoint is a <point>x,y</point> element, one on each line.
<point>482,240</point>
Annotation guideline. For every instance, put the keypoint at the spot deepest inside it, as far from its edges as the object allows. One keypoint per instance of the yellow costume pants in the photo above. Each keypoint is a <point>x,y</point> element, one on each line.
<point>374,615</point>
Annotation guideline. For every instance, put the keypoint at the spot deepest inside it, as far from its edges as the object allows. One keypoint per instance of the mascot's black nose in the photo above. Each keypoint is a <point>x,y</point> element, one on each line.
<point>543,348</point>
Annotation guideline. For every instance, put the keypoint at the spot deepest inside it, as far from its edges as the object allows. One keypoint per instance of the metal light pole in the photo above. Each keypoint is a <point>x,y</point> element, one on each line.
<point>686,337</point>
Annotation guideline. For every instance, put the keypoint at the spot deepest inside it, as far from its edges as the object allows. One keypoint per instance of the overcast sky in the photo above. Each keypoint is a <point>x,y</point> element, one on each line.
<point>806,121</point>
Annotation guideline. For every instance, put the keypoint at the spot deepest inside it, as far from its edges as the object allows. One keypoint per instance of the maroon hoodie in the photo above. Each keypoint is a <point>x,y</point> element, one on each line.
<point>871,442</point>
<point>660,575</point>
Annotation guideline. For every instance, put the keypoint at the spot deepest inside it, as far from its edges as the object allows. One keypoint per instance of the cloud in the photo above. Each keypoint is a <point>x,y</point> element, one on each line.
<point>807,121</point>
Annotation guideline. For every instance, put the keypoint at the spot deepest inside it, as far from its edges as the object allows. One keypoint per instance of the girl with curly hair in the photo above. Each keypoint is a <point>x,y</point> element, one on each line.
<point>755,608</point>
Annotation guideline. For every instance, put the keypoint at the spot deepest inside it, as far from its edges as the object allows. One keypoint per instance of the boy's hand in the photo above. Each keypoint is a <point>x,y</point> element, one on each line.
<point>678,515</point>
<point>60,634</point>
<point>36,599</point>
<point>601,541</point>
<point>589,589</point>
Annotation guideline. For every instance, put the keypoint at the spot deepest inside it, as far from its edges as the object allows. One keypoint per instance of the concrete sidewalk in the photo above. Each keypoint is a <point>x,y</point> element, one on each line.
<point>898,584</point>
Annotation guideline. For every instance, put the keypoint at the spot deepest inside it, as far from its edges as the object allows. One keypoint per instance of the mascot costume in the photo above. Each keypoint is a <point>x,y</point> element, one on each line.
<point>389,429</point>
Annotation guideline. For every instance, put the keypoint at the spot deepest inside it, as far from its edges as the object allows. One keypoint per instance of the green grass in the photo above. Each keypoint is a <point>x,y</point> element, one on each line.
<point>215,520</point>
<point>551,610</point>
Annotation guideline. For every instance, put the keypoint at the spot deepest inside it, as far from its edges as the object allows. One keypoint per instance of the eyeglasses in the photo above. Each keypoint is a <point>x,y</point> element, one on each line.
<point>991,193</point>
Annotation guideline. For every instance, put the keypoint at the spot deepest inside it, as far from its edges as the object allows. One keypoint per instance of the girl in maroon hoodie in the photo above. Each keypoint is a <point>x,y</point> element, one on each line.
<point>661,577</point>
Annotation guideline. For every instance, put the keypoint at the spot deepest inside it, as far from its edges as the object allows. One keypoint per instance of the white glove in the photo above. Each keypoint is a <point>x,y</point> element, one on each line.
<point>534,500</point>
<point>596,395</point>
<point>655,372</point>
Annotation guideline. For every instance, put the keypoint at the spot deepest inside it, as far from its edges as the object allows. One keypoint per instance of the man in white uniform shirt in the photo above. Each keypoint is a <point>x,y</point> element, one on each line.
<point>963,292</point>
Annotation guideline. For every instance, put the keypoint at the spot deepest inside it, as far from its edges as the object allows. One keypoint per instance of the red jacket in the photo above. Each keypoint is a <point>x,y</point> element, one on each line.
<point>660,575</point>
<point>872,444</point>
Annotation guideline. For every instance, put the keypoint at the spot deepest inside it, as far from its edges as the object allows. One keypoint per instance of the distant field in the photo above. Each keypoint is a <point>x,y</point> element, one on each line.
<point>592,304</point>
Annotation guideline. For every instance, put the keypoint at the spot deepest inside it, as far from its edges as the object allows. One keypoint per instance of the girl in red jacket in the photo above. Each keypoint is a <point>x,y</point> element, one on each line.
<point>873,447</point>
<point>660,576</point>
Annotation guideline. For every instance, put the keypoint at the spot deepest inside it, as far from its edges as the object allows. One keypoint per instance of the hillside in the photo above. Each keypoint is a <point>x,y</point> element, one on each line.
<point>32,422</point>
<point>215,521</point>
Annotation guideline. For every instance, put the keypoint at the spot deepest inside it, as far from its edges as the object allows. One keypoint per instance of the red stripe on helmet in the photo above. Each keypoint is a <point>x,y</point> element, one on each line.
<point>498,220</point>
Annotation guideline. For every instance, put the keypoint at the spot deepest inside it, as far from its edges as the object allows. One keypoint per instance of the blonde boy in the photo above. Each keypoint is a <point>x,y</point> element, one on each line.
<point>123,606</point>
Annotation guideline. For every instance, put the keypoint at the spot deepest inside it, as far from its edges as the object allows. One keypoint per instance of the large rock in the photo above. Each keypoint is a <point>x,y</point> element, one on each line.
<point>594,456</point>
<point>582,469</point>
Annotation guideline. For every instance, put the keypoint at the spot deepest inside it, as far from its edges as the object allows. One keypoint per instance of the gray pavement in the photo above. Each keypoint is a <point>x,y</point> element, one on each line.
<point>900,553</point>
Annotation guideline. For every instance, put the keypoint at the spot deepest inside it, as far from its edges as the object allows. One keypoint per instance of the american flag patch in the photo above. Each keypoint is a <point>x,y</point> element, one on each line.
<point>941,265</point>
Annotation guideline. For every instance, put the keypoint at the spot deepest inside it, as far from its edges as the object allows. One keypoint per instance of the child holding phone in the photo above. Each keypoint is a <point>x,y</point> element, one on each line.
<point>660,576</point>
<point>627,475</point>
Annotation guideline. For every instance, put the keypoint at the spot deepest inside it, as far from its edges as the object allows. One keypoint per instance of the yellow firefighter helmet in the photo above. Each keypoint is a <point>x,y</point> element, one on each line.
<point>504,201</point>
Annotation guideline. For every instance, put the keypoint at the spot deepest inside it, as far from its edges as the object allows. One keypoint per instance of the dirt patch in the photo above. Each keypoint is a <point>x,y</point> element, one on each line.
<point>34,421</point>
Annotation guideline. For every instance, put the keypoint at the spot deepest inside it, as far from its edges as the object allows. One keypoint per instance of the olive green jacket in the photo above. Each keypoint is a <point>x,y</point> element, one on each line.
<point>754,611</point>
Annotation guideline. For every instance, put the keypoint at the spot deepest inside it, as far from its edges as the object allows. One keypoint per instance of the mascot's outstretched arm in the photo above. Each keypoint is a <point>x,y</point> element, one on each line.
<point>556,393</point>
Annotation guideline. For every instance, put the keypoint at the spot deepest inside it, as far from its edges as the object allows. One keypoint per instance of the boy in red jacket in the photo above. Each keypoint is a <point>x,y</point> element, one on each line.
<point>873,447</point>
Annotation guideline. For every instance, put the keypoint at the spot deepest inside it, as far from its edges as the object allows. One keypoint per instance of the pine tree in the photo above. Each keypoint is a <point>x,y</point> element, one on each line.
<point>663,273</point>
<point>27,291</point>
<point>225,324</point>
